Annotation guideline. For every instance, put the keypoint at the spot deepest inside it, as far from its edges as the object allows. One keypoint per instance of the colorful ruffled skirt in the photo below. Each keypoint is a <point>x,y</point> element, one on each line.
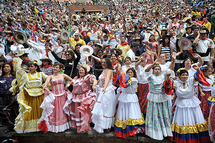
<point>205,107</point>
<point>29,112</point>
<point>189,125</point>
<point>143,90</point>
<point>158,119</point>
<point>129,120</point>
<point>79,107</point>
<point>53,118</point>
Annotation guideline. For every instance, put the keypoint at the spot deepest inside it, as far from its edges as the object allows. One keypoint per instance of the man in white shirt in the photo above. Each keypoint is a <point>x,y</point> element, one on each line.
<point>131,53</point>
<point>202,44</point>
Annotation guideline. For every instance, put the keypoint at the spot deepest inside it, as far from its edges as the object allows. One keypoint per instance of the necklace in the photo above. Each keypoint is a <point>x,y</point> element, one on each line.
<point>56,74</point>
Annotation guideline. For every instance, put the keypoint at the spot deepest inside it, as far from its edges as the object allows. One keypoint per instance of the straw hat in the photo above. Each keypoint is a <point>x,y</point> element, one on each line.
<point>46,58</point>
<point>20,53</point>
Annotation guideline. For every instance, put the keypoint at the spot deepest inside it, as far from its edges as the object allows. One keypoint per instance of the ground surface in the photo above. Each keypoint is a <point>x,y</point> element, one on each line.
<point>71,136</point>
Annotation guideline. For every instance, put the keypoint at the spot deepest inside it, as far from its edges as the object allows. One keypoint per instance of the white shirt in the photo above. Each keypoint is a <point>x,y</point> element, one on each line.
<point>141,74</point>
<point>131,54</point>
<point>125,68</point>
<point>202,47</point>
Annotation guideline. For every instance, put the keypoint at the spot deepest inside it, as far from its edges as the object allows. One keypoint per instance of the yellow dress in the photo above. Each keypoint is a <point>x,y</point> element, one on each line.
<point>29,98</point>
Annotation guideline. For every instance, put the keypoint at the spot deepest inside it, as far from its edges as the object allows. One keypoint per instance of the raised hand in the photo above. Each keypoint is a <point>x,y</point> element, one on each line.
<point>210,44</point>
<point>196,55</point>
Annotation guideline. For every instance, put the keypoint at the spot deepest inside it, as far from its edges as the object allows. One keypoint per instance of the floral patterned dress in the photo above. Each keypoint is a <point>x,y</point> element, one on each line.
<point>158,115</point>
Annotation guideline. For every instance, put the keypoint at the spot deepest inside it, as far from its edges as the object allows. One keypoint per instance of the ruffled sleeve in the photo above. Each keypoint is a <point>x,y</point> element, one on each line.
<point>89,78</point>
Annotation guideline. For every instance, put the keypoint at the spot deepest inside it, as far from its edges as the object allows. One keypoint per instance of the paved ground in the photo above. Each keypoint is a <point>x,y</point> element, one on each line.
<point>71,136</point>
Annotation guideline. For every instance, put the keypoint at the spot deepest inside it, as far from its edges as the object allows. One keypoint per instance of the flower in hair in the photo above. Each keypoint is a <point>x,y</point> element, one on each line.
<point>204,68</point>
<point>178,72</point>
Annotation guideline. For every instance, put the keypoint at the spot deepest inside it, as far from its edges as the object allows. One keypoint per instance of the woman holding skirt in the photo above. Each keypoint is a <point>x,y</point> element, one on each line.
<point>129,120</point>
<point>104,109</point>
<point>30,96</point>
<point>188,124</point>
<point>53,118</point>
<point>81,102</point>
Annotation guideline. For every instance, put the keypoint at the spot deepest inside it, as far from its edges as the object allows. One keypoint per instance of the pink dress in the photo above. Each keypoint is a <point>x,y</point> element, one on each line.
<point>80,103</point>
<point>53,118</point>
<point>154,46</point>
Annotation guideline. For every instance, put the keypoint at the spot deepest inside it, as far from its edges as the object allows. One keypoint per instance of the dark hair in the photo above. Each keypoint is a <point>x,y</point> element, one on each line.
<point>183,71</point>
<point>134,44</point>
<point>149,44</point>
<point>128,58</point>
<point>108,63</point>
<point>11,66</point>
<point>72,54</point>
<point>99,51</point>
<point>57,64</point>
<point>186,60</point>
<point>50,63</point>
<point>133,70</point>
<point>78,44</point>
<point>84,70</point>
<point>49,44</point>
<point>35,64</point>
<point>3,59</point>
<point>166,37</point>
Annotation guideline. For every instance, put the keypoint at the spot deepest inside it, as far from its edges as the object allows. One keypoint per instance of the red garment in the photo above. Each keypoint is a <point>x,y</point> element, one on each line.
<point>143,90</point>
<point>152,41</point>
<point>26,60</point>
<point>113,64</point>
<point>47,66</point>
<point>47,53</point>
<point>203,39</point>
<point>205,107</point>
<point>190,51</point>
<point>166,44</point>
<point>125,43</point>
<point>76,39</point>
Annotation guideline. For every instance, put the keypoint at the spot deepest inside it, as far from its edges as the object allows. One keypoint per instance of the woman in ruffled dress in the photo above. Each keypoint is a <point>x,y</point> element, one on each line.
<point>53,118</point>
<point>104,109</point>
<point>159,114</point>
<point>188,124</point>
<point>81,102</point>
<point>8,104</point>
<point>129,120</point>
<point>30,96</point>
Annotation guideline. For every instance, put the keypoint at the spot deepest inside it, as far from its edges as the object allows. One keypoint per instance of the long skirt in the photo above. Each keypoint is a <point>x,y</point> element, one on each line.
<point>29,114</point>
<point>53,118</point>
<point>189,125</point>
<point>80,110</point>
<point>211,123</point>
<point>158,120</point>
<point>205,107</point>
<point>104,110</point>
<point>129,120</point>
<point>143,90</point>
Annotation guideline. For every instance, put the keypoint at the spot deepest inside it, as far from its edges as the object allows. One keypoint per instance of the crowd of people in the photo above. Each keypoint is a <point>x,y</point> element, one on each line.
<point>142,67</point>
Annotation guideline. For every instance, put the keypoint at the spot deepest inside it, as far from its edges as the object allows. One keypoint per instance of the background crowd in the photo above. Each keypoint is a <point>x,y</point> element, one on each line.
<point>141,67</point>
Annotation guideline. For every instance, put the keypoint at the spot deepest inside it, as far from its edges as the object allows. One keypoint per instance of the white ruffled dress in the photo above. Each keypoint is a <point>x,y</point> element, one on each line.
<point>104,108</point>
